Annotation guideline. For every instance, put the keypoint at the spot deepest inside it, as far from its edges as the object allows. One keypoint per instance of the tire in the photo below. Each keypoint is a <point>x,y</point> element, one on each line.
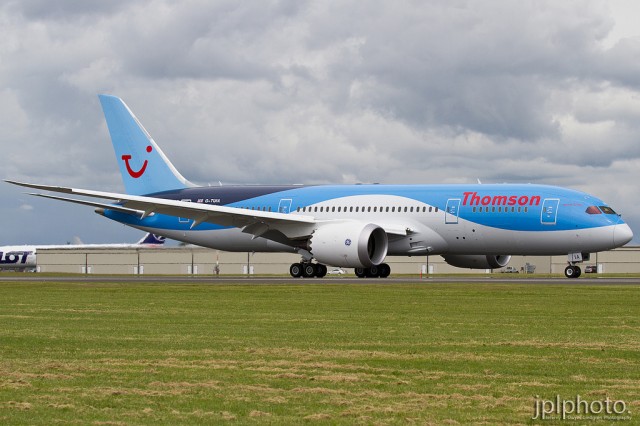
<point>385,270</point>
<point>295,270</point>
<point>373,272</point>
<point>321,270</point>
<point>578,271</point>
<point>571,272</point>
<point>309,270</point>
<point>360,272</point>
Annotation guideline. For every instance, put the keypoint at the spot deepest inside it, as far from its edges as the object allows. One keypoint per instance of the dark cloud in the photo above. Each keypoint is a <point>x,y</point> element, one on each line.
<point>64,10</point>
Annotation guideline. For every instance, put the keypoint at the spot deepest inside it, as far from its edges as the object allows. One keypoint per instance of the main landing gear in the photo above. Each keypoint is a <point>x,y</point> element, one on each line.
<point>377,271</point>
<point>318,270</point>
<point>308,270</point>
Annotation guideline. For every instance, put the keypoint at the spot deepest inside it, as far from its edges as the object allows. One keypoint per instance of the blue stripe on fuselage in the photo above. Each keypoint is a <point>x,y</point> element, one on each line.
<point>506,203</point>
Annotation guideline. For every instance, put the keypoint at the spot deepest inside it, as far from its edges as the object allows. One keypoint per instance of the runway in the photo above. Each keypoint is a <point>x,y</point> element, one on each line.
<point>270,280</point>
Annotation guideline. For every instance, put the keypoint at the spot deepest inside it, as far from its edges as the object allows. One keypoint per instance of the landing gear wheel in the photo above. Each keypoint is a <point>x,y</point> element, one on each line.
<point>309,270</point>
<point>321,270</point>
<point>295,270</point>
<point>385,270</point>
<point>578,271</point>
<point>360,272</point>
<point>373,272</point>
<point>572,271</point>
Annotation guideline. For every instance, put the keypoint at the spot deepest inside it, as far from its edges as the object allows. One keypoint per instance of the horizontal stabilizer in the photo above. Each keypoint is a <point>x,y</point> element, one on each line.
<point>93,204</point>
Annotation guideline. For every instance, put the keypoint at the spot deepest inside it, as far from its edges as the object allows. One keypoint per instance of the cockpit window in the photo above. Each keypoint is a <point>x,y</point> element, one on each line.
<point>607,210</point>
<point>593,210</point>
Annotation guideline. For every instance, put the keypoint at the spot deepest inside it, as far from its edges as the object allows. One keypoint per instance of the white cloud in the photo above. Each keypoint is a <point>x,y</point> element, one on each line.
<point>308,92</point>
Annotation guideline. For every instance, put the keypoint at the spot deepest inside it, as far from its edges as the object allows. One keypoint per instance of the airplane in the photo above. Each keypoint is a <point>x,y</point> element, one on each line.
<point>353,226</point>
<point>24,257</point>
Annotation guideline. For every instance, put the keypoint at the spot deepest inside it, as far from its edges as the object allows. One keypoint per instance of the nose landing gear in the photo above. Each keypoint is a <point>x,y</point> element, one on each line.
<point>572,271</point>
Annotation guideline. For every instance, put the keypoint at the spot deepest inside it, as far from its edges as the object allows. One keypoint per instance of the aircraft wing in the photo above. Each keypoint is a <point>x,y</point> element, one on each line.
<point>255,222</point>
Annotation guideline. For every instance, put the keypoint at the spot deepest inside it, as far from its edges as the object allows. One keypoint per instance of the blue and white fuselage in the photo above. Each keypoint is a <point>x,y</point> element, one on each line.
<point>424,219</point>
<point>350,225</point>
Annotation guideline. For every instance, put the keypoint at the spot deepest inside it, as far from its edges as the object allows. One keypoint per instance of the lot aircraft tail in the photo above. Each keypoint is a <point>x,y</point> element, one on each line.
<point>152,239</point>
<point>144,167</point>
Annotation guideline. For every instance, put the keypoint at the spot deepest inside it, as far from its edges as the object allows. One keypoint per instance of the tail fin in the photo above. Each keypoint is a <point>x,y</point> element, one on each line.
<point>152,239</point>
<point>144,167</point>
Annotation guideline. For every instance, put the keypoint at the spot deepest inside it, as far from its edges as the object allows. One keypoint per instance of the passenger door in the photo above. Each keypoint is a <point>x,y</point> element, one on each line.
<point>452,211</point>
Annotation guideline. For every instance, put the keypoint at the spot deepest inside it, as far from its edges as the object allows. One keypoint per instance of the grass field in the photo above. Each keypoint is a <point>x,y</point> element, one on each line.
<point>315,353</point>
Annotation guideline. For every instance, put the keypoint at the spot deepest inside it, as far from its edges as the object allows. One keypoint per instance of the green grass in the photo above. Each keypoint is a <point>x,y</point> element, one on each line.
<point>331,353</point>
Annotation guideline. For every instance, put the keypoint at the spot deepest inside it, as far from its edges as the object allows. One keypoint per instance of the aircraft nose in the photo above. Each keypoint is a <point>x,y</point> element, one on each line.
<point>622,234</point>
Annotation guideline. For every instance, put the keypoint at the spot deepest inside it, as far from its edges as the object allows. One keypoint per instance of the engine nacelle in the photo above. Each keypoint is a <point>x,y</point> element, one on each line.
<point>349,244</point>
<point>479,261</point>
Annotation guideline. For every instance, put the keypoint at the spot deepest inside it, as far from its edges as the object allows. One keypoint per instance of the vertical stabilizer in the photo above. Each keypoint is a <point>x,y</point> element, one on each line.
<point>144,167</point>
<point>152,239</point>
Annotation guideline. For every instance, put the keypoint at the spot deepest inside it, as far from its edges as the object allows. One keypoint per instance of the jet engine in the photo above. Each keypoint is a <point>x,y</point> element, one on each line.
<point>349,244</point>
<point>477,261</point>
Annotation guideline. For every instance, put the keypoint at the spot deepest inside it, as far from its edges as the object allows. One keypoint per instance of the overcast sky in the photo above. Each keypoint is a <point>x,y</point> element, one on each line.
<point>318,92</point>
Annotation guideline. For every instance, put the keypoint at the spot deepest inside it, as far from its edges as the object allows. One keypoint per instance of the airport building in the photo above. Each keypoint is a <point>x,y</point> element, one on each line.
<point>202,261</point>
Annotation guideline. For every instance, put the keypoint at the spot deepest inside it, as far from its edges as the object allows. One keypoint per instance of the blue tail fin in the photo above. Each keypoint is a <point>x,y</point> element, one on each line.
<point>144,167</point>
<point>152,239</point>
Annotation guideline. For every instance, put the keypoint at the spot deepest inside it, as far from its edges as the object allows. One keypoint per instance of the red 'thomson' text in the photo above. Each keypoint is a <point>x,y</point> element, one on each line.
<point>473,199</point>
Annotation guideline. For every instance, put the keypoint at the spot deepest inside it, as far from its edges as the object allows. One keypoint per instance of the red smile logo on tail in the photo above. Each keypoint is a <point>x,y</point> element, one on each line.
<point>133,173</point>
